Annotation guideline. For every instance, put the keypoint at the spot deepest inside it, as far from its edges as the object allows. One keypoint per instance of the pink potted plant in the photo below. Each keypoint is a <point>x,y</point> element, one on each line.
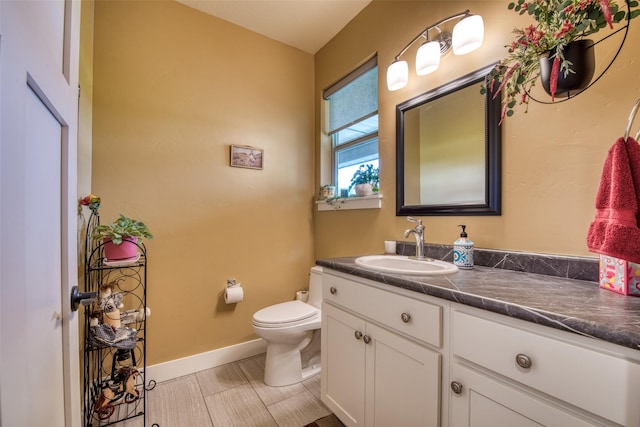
<point>120,238</point>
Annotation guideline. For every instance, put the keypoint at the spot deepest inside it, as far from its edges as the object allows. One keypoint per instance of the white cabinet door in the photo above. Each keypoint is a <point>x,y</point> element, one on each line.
<point>343,365</point>
<point>372,377</point>
<point>402,382</point>
<point>484,401</point>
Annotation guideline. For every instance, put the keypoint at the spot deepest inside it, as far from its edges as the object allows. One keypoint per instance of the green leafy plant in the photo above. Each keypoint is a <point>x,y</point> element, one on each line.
<point>558,22</point>
<point>366,174</point>
<point>121,228</point>
<point>326,191</point>
<point>336,202</point>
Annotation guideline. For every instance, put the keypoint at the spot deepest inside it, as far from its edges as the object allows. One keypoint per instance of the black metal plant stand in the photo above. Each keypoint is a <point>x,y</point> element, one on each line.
<point>115,315</point>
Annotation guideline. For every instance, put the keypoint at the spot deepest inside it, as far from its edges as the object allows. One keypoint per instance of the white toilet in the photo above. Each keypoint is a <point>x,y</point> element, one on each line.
<point>292,332</point>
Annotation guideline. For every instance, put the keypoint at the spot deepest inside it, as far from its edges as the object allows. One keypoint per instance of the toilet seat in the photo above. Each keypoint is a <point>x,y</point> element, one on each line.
<point>290,313</point>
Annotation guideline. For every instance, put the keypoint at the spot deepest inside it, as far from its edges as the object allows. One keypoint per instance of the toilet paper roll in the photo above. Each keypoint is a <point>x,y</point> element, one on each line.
<point>233,294</point>
<point>302,296</point>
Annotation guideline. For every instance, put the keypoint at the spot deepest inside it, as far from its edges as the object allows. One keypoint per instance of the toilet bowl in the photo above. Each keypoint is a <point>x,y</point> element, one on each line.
<point>292,332</point>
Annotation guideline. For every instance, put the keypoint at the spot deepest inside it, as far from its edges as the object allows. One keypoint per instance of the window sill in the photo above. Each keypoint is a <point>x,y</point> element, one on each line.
<point>343,204</point>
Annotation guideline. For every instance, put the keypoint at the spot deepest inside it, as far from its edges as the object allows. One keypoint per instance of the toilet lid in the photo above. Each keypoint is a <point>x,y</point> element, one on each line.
<point>286,312</point>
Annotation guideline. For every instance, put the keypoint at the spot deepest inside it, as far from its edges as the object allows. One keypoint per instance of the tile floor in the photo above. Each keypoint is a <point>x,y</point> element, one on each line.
<point>232,395</point>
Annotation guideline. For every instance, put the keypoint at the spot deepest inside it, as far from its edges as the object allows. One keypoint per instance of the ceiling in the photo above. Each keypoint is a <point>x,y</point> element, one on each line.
<point>305,24</point>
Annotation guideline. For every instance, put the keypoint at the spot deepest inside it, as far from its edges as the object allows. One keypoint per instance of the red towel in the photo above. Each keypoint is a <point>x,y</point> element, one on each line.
<point>615,231</point>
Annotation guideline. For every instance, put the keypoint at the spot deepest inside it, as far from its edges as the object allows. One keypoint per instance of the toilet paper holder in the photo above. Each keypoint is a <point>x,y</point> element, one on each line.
<point>233,292</point>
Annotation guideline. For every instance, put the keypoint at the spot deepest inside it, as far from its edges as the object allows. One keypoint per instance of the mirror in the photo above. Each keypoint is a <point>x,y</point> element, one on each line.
<point>448,150</point>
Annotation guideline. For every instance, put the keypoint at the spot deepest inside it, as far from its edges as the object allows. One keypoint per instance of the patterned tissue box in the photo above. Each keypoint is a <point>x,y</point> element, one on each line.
<point>619,276</point>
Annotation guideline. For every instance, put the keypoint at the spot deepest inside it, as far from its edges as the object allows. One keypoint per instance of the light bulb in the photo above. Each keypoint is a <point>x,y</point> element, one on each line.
<point>428,58</point>
<point>468,35</point>
<point>397,75</point>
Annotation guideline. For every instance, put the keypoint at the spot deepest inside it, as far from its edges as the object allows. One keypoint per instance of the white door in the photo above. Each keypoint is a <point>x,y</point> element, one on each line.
<point>39,356</point>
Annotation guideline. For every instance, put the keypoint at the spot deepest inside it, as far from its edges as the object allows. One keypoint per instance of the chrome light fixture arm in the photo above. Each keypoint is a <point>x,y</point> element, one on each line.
<point>425,32</point>
<point>467,36</point>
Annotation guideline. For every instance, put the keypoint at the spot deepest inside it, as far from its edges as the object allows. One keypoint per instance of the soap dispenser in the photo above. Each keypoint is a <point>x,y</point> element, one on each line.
<point>463,250</point>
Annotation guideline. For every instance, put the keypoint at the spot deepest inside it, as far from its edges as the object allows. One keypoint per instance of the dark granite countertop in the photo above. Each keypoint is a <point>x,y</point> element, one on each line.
<point>577,306</point>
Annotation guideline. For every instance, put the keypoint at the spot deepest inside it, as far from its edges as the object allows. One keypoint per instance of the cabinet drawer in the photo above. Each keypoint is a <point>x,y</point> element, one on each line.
<point>416,319</point>
<point>600,383</point>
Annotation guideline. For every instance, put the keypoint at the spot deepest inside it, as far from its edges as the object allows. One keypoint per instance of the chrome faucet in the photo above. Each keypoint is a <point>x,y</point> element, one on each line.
<point>418,233</point>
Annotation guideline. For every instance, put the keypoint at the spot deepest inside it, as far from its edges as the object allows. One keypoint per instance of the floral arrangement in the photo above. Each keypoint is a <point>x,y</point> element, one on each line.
<point>91,201</point>
<point>559,22</point>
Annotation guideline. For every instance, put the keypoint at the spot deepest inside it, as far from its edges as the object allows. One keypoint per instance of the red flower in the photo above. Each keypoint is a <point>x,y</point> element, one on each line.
<point>606,11</point>
<point>503,114</point>
<point>507,76</point>
<point>566,27</point>
<point>91,200</point>
<point>553,79</point>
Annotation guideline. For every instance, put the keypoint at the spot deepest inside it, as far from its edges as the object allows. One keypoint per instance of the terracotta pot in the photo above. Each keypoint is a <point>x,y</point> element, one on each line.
<point>124,251</point>
<point>581,55</point>
<point>364,189</point>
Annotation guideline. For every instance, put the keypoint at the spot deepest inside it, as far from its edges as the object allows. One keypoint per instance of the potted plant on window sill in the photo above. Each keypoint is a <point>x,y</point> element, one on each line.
<point>120,238</point>
<point>559,23</point>
<point>327,191</point>
<point>365,180</point>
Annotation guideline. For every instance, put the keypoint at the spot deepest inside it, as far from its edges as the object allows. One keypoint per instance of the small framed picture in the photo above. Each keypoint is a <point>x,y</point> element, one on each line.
<point>243,156</point>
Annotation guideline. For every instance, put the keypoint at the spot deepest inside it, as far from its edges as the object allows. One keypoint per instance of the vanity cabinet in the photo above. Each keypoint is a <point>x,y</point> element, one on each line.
<point>392,357</point>
<point>517,375</point>
<point>379,364</point>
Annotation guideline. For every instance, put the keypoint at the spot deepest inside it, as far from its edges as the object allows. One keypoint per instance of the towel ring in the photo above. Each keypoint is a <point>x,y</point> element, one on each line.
<point>632,116</point>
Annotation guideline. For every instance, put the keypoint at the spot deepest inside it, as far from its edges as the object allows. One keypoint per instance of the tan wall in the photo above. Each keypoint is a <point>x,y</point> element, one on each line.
<point>173,88</point>
<point>552,155</point>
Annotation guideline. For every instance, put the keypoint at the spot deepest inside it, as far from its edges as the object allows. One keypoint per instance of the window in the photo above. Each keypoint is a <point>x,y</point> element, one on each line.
<point>353,122</point>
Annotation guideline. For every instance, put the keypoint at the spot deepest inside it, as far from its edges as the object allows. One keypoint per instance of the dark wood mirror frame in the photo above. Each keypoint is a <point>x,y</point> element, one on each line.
<point>493,142</point>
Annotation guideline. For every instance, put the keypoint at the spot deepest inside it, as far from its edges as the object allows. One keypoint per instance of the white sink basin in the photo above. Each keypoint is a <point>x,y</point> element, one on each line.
<point>405,265</point>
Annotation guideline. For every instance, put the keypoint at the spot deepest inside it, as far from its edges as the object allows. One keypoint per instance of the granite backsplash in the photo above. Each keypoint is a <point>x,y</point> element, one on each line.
<point>569,267</point>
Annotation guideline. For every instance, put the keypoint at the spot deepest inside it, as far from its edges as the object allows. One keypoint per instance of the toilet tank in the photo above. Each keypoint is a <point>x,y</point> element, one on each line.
<point>315,287</point>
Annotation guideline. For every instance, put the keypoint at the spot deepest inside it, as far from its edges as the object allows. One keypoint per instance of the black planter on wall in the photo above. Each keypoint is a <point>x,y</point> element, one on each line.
<point>582,57</point>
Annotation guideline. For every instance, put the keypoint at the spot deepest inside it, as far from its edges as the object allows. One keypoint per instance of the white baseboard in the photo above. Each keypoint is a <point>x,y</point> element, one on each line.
<point>199,362</point>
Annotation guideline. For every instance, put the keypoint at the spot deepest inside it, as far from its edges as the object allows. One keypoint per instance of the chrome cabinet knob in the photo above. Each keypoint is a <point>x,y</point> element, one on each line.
<point>366,339</point>
<point>333,290</point>
<point>405,317</point>
<point>456,387</point>
<point>358,335</point>
<point>523,361</point>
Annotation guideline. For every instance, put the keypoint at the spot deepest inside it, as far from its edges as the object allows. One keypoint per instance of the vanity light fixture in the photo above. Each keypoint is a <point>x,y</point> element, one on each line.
<point>466,37</point>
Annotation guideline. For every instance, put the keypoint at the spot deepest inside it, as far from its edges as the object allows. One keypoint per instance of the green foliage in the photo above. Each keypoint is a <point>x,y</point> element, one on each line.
<point>366,174</point>
<point>557,23</point>
<point>120,228</point>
